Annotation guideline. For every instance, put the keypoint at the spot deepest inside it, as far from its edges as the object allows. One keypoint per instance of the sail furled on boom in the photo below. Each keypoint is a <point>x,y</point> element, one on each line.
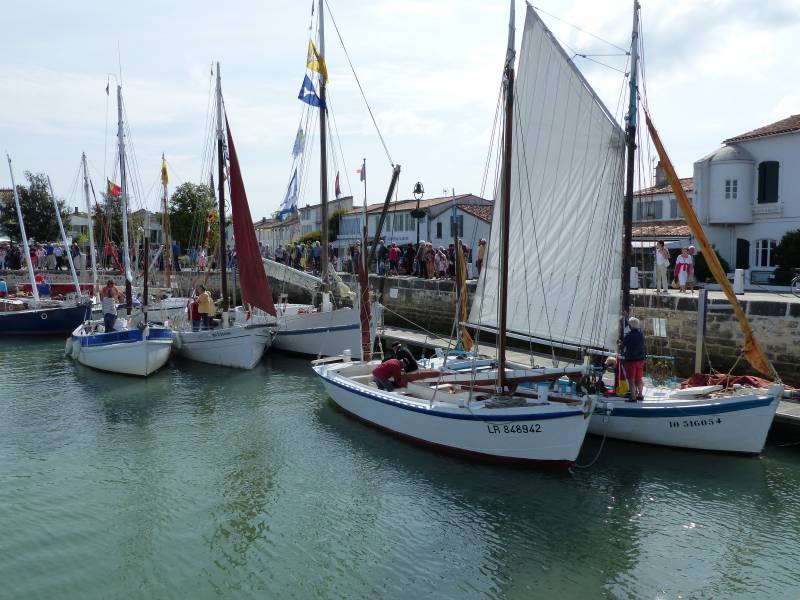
<point>752,349</point>
<point>566,195</point>
<point>253,280</point>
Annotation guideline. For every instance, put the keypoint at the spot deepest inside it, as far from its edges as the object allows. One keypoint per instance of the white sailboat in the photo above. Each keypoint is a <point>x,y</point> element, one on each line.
<point>323,329</point>
<point>491,412</point>
<point>243,343</point>
<point>134,347</point>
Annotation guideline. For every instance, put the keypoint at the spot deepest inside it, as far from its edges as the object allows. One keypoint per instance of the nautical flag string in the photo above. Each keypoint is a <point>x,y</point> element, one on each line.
<point>316,62</point>
<point>308,94</point>
<point>362,171</point>
<point>299,143</point>
<point>113,189</point>
<point>289,204</point>
<point>337,188</point>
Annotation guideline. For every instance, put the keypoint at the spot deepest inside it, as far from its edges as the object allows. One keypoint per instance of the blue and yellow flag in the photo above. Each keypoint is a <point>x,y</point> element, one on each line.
<point>316,62</point>
<point>308,94</point>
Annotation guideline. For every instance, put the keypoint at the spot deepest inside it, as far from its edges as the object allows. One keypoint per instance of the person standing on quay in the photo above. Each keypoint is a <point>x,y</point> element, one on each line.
<point>682,267</point>
<point>662,263</point>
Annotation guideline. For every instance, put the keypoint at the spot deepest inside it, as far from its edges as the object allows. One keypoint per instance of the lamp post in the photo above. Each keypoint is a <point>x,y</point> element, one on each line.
<point>418,214</point>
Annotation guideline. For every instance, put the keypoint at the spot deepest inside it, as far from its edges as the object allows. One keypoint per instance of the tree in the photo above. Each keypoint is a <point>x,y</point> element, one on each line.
<point>189,209</point>
<point>107,220</point>
<point>37,210</point>
<point>701,271</point>
<point>787,257</point>
<point>333,223</point>
<point>311,236</point>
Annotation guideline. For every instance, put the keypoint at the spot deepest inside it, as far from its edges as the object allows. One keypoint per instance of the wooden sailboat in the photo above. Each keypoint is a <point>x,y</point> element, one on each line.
<point>40,317</point>
<point>323,330</point>
<point>134,347</point>
<point>491,413</point>
<point>707,418</point>
<point>243,344</point>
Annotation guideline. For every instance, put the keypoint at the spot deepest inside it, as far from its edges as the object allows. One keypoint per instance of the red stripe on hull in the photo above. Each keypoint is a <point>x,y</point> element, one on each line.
<point>554,465</point>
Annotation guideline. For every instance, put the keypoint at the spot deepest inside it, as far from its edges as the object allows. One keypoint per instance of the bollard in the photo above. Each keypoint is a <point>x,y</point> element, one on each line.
<point>634,278</point>
<point>738,281</point>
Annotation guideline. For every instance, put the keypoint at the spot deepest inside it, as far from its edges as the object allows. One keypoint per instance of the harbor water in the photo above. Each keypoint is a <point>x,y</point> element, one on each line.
<point>204,482</point>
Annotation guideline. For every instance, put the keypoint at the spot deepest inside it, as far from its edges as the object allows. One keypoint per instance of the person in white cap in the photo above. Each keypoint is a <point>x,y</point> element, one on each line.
<point>633,353</point>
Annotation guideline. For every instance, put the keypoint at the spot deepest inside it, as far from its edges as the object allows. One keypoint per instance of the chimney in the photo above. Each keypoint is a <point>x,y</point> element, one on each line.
<point>661,175</point>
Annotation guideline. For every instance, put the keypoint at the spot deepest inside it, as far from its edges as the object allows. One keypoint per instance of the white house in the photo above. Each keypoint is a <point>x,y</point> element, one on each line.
<point>311,214</point>
<point>473,218</point>
<point>748,195</point>
<point>273,232</point>
<point>79,225</point>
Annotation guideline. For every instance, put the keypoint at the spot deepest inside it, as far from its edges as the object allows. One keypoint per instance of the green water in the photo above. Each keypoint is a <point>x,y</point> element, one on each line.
<point>203,482</point>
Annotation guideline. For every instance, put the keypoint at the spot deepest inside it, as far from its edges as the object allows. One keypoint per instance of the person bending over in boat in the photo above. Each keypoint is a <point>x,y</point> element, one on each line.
<point>403,354</point>
<point>633,351</point>
<point>110,297</point>
<point>389,374</point>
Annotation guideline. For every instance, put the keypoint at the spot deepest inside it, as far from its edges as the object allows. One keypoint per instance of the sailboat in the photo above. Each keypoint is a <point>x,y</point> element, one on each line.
<point>325,329</point>
<point>487,411</point>
<point>40,317</point>
<point>134,347</point>
<point>243,344</point>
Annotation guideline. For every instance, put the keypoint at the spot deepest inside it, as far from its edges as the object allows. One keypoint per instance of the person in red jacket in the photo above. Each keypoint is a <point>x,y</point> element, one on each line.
<point>388,374</point>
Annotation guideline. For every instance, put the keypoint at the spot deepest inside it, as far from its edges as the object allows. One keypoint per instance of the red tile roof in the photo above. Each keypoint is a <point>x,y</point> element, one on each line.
<point>687,183</point>
<point>661,229</point>
<point>787,125</point>
<point>484,213</point>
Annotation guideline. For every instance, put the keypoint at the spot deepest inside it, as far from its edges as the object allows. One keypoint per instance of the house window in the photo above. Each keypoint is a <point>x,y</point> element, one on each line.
<point>649,210</point>
<point>765,253</point>
<point>768,182</point>
<point>731,189</point>
<point>460,222</point>
<point>673,208</point>
<point>439,230</point>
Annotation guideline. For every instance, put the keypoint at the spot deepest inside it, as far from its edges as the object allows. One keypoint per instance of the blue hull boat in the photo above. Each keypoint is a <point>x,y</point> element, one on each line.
<point>57,320</point>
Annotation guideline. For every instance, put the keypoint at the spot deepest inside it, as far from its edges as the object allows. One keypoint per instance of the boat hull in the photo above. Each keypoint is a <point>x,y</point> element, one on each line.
<point>238,347</point>
<point>320,333</point>
<point>735,424</point>
<point>548,436</point>
<point>128,352</point>
<point>61,320</point>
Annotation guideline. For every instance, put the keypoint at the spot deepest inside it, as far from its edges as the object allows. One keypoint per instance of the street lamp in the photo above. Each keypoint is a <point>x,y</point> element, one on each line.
<point>418,214</point>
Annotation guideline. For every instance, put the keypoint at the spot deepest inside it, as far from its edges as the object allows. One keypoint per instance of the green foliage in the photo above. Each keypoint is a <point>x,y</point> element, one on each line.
<point>189,207</point>
<point>787,257</point>
<point>333,224</point>
<point>311,236</point>
<point>107,219</point>
<point>701,271</point>
<point>37,210</point>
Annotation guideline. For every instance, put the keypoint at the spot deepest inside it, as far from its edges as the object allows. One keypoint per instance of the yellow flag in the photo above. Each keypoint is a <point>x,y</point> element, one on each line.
<point>315,62</point>
<point>164,176</point>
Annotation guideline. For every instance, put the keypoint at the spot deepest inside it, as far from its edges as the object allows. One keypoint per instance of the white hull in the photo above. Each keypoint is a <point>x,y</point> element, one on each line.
<point>320,333</point>
<point>238,347</point>
<point>141,358</point>
<point>724,424</point>
<point>545,433</point>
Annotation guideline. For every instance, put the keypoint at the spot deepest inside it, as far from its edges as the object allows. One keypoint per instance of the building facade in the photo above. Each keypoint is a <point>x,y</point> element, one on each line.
<point>748,195</point>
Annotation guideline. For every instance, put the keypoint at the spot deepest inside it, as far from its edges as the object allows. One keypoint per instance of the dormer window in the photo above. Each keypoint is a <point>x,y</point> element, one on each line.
<point>731,189</point>
<point>768,182</point>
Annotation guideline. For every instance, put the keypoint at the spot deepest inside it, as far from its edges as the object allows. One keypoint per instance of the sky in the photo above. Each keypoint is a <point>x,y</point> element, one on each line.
<point>430,70</point>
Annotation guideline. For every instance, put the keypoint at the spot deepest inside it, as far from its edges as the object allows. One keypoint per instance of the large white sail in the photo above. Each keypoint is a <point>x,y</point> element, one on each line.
<point>566,206</point>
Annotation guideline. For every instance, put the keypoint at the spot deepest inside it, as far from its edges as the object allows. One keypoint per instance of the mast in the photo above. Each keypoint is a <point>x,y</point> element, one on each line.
<point>34,289</point>
<point>165,225</point>
<point>323,152</point>
<point>124,204</point>
<point>64,240</point>
<point>630,137</point>
<point>505,199</point>
<point>91,224</point>
<point>223,250</point>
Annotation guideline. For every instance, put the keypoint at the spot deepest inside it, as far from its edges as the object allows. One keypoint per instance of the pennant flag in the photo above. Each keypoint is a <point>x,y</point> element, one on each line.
<point>362,171</point>
<point>308,94</point>
<point>299,143</point>
<point>164,176</point>
<point>337,188</point>
<point>315,62</point>
<point>289,204</point>
<point>113,189</point>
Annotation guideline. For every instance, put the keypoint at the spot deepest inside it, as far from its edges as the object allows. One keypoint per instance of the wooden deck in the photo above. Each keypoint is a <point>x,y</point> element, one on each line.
<point>788,411</point>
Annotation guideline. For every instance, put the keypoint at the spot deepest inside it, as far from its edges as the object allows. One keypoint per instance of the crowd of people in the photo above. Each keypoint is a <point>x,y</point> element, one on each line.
<point>423,260</point>
<point>45,256</point>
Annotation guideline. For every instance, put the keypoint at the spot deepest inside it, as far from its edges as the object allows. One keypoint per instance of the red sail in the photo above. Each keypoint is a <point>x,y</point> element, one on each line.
<point>252,278</point>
